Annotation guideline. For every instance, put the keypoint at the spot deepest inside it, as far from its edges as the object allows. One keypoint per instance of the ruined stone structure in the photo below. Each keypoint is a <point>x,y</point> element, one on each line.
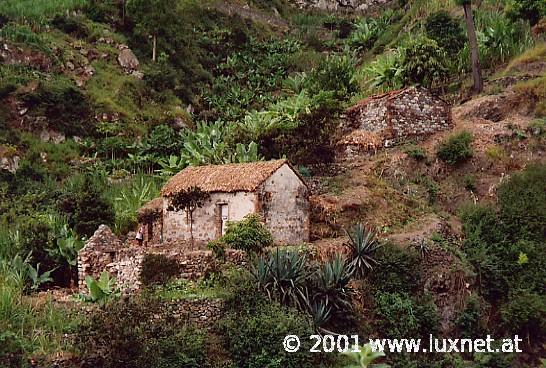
<point>361,6</point>
<point>272,189</point>
<point>390,118</point>
<point>105,252</point>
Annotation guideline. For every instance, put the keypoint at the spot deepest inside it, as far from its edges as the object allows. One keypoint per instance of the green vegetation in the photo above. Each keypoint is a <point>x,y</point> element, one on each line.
<point>456,149</point>
<point>249,234</point>
<point>221,83</point>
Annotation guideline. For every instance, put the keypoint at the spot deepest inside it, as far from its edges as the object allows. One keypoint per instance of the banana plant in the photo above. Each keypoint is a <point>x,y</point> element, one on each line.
<point>38,278</point>
<point>365,357</point>
<point>101,290</point>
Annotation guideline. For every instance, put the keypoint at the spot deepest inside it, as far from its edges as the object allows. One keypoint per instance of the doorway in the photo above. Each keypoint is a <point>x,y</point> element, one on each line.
<point>224,218</point>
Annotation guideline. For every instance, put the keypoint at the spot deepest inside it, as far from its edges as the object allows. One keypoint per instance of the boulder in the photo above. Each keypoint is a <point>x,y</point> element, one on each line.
<point>128,60</point>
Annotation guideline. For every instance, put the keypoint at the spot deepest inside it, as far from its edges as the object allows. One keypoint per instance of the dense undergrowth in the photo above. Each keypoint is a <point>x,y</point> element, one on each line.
<point>225,88</point>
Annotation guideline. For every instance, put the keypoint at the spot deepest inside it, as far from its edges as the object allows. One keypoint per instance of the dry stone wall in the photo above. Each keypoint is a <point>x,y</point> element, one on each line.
<point>361,6</point>
<point>391,118</point>
<point>105,252</point>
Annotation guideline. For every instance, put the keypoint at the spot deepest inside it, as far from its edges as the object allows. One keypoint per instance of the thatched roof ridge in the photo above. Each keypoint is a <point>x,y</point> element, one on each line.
<point>154,204</point>
<point>244,177</point>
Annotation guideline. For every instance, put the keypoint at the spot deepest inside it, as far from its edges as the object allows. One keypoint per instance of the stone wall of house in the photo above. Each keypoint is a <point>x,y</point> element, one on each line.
<point>104,252</point>
<point>371,117</point>
<point>416,113</point>
<point>206,220</point>
<point>391,118</point>
<point>362,6</point>
<point>284,202</point>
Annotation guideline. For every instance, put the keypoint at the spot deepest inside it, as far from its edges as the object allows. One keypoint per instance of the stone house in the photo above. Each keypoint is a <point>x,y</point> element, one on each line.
<point>390,118</point>
<point>273,189</point>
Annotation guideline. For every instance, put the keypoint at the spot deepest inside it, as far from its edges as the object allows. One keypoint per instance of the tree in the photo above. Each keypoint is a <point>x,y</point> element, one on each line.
<point>86,207</point>
<point>471,30</point>
<point>152,17</point>
<point>188,200</point>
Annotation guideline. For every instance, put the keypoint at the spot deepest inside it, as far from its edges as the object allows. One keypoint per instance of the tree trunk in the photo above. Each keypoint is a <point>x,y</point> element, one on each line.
<point>476,68</point>
<point>154,48</point>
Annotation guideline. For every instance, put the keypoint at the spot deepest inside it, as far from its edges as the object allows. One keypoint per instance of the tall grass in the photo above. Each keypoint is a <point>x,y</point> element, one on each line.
<point>28,326</point>
<point>38,11</point>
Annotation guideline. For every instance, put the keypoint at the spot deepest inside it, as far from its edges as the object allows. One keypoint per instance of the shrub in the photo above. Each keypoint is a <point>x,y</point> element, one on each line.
<point>416,152</point>
<point>456,149</point>
<point>531,10</point>
<point>249,234</point>
<point>336,74</point>
<point>446,31</point>
<point>401,316</point>
<point>139,332</point>
<point>283,276</point>
<point>398,270</point>
<point>362,246</point>
<point>158,269</point>
<point>86,207</point>
<point>65,107</point>
<point>253,337</point>
<point>424,62</point>
<point>471,320</point>
<point>522,201</point>
<point>525,314</point>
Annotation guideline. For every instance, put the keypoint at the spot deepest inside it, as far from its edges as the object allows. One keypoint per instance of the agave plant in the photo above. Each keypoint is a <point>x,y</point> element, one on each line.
<point>321,314</point>
<point>332,284</point>
<point>283,275</point>
<point>362,245</point>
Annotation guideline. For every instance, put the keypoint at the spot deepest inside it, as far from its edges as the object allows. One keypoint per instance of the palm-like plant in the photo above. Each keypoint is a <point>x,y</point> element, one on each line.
<point>362,245</point>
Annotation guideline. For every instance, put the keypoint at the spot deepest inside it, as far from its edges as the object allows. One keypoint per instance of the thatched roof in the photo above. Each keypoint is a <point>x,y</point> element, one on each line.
<point>245,177</point>
<point>153,205</point>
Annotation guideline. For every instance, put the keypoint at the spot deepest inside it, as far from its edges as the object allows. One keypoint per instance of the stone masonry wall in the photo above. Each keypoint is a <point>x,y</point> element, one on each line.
<point>104,252</point>
<point>391,118</point>
<point>416,113</point>
<point>284,200</point>
<point>206,219</point>
<point>361,6</point>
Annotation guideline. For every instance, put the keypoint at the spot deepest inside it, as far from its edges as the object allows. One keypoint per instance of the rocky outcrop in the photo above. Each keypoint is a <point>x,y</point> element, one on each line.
<point>128,60</point>
<point>9,160</point>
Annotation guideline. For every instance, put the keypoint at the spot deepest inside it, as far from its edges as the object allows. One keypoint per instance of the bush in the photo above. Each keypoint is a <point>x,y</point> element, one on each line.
<point>416,152</point>
<point>446,31</point>
<point>471,320</point>
<point>254,337</point>
<point>249,234</point>
<point>522,201</point>
<point>86,207</point>
<point>398,270</point>
<point>336,74</point>
<point>530,10</point>
<point>138,332</point>
<point>456,149</point>
<point>424,62</point>
<point>525,314</point>
<point>65,107</point>
<point>158,269</point>
<point>402,316</point>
